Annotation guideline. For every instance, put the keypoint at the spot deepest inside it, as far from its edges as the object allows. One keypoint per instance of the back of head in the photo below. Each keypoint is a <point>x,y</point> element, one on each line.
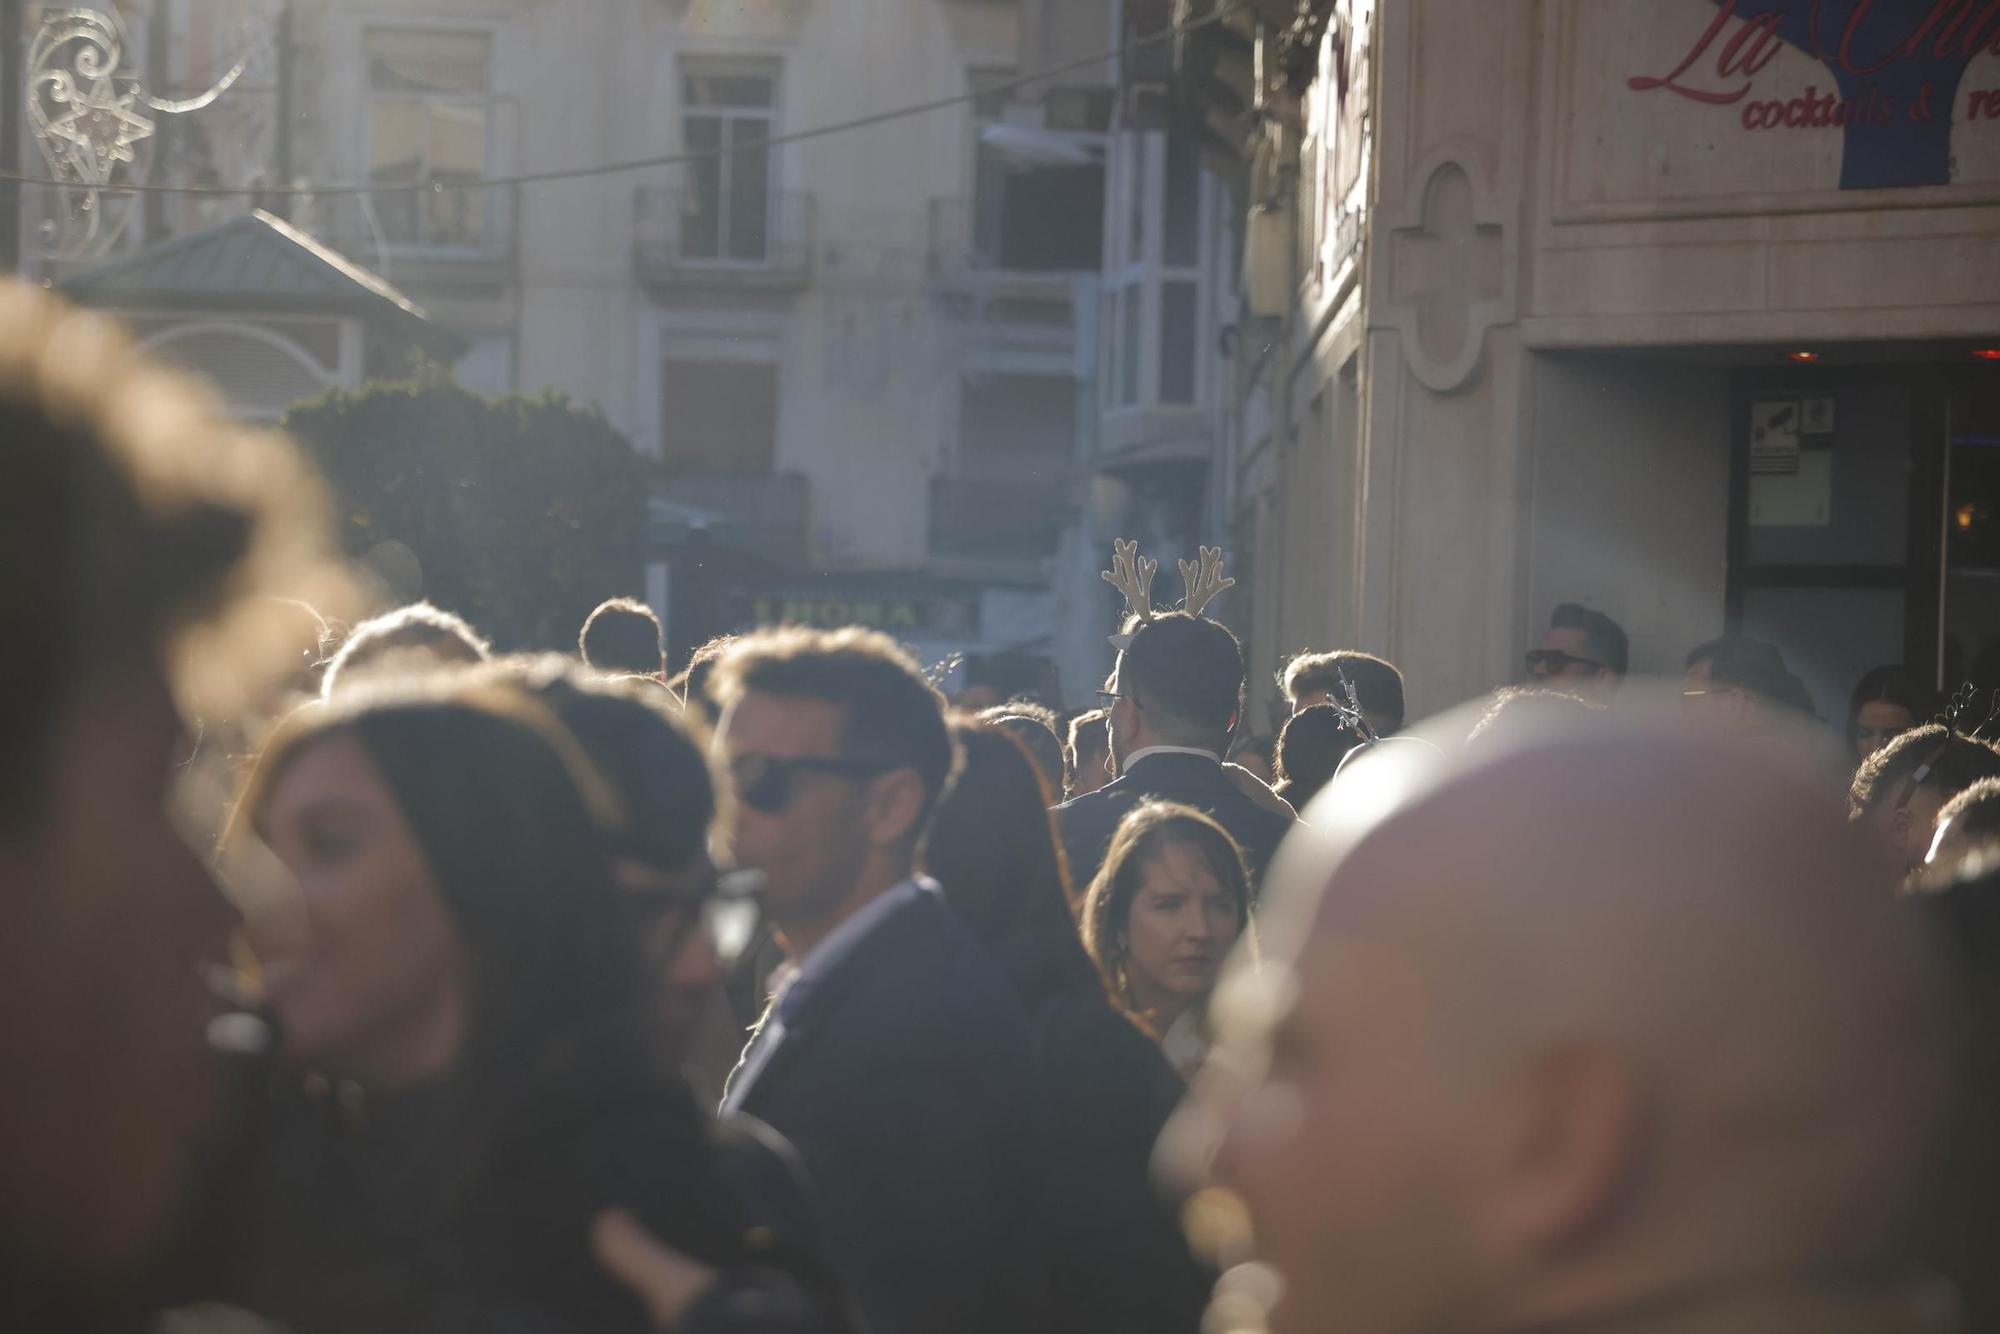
<point>658,764</point>
<point>135,522</point>
<point>1035,727</point>
<point>1754,666</point>
<point>1931,757</point>
<point>1603,636</point>
<point>1378,685</point>
<point>1185,674</point>
<point>1310,749</point>
<point>415,638</point>
<point>1961,900</point>
<point>1968,822</point>
<point>1087,735</point>
<point>624,636</point>
<point>890,711</point>
<point>1518,714</point>
<point>692,685</point>
<point>993,849</point>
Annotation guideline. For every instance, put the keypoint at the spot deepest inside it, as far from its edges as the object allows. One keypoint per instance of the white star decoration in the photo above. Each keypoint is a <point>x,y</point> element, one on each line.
<point>103,123</point>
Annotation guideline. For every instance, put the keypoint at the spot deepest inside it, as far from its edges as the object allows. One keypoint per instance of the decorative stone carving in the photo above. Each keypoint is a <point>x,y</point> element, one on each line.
<point>1452,262</point>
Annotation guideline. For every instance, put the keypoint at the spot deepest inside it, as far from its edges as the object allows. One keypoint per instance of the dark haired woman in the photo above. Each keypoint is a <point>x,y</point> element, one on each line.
<point>1170,901</point>
<point>1117,1261</point>
<point>1887,702</point>
<point>469,1079</point>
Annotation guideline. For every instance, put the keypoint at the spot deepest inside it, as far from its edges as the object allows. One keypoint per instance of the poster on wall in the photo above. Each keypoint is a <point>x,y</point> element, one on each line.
<point>1791,486</point>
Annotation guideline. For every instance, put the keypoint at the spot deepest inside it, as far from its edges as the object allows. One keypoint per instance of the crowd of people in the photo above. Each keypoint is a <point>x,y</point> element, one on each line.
<point>377,981</point>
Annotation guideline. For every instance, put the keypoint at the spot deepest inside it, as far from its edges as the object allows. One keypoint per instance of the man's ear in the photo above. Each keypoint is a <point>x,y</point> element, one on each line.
<point>894,807</point>
<point>1567,1139</point>
<point>1899,824</point>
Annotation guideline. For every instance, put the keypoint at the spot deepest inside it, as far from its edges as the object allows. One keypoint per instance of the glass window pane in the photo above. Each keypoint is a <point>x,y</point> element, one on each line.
<point>1140,145</point>
<point>749,202</point>
<point>1177,342</point>
<point>701,209</point>
<point>1129,334</point>
<point>412,60</point>
<point>1183,201</point>
<point>750,91</point>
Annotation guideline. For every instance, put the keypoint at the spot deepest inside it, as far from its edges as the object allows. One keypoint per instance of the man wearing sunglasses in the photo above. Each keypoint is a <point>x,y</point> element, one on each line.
<point>896,1058</point>
<point>1584,653</point>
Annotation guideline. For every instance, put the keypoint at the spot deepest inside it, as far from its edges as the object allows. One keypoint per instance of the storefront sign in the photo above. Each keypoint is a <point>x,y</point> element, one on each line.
<point>1892,82</point>
<point>922,617</point>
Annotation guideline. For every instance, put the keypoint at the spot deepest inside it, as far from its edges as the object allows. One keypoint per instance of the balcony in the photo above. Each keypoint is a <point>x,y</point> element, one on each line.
<point>768,513</point>
<point>975,252</point>
<point>456,240</point>
<point>1011,520</point>
<point>687,239</point>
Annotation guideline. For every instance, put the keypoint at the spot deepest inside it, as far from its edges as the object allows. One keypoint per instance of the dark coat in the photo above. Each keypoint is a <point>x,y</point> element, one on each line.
<point>906,1081</point>
<point>1089,821</point>
<point>417,1214</point>
<point>1120,1263</point>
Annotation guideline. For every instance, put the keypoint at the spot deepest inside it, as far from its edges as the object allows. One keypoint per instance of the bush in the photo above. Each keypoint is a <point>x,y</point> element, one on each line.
<point>522,512</point>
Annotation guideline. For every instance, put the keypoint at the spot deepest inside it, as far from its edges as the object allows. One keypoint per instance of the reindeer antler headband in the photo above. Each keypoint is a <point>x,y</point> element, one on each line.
<point>1132,575</point>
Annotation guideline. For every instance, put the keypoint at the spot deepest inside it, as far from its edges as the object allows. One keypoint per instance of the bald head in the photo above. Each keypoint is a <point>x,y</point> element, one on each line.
<point>1523,1068</point>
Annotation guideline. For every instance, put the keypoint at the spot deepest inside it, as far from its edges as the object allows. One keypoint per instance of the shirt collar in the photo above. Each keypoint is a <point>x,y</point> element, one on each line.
<point>1138,755</point>
<point>825,958</point>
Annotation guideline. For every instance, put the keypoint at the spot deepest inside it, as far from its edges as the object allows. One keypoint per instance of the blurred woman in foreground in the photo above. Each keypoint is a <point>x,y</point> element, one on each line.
<point>1117,1260</point>
<point>471,1077</point>
<point>1170,901</point>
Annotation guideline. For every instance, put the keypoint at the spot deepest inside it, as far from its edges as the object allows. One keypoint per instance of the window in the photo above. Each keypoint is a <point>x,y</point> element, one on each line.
<point>1155,342</point>
<point>1016,424</point>
<point>720,416</point>
<point>428,110</point>
<point>1179,322</point>
<point>1026,217</point>
<point>727,211</point>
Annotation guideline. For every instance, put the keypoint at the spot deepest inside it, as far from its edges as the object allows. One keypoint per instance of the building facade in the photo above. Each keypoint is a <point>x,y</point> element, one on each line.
<point>865,362</point>
<point>1685,310</point>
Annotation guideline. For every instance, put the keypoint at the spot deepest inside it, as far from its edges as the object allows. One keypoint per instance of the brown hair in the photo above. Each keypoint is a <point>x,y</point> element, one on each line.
<point>1145,832</point>
<point>136,521</point>
<point>889,711</point>
<point>624,635</point>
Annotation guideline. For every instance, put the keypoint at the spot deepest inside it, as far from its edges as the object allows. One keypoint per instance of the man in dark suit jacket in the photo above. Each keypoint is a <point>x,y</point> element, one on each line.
<point>1173,700</point>
<point>896,1056</point>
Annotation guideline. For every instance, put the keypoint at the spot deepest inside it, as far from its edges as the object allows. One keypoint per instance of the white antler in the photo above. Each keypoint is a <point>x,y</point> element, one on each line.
<point>1204,579</point>
<point>1132,575</point>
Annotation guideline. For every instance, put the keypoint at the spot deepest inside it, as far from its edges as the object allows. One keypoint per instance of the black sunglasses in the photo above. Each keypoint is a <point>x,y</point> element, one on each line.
<point>1557,661</point>
<point>768,783</point>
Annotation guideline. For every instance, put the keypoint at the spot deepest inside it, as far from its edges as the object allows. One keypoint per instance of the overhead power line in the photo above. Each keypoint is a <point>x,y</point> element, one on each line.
<point>654,163</point>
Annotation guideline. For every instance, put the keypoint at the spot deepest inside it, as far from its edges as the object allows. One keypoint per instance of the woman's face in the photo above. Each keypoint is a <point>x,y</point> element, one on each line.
<point>1182,922</point>
<point>668,910</point>
<point>373,988</point>
<point>1877,724</point>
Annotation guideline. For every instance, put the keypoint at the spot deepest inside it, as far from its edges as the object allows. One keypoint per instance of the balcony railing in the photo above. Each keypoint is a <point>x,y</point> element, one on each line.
<point>768,513</point>
<point>457,238</point>
<point>692,238</point>
<point>999,520</point>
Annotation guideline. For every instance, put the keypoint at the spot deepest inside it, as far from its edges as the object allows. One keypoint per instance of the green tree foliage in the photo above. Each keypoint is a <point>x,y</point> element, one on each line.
<point>523,512</point>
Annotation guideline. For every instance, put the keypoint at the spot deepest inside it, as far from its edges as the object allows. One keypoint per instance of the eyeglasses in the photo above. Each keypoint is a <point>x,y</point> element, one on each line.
<point>767,783</point>
<point>1555,662</point>
<point>1106,698</point>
